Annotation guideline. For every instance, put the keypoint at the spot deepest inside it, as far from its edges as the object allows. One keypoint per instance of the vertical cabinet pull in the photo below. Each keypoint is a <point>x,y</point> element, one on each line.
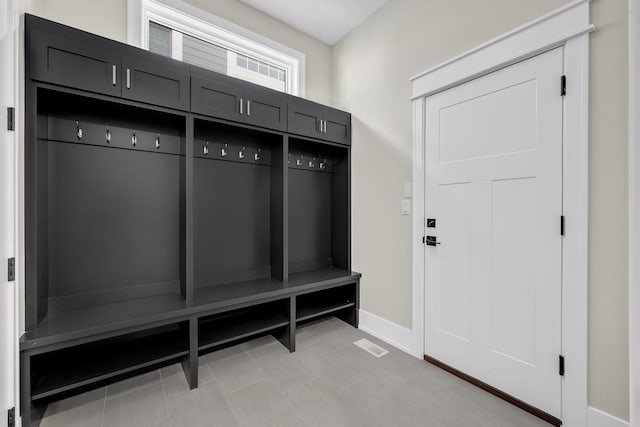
<point>241,106</point>
<point>128,78</point>
<point>248,107</point>
<point>320,126</point>
<point>113,75</point>
<point>325,126</point>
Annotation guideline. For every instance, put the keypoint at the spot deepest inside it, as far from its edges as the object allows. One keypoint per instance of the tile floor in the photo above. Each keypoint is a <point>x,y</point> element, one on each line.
<point>328,381</point>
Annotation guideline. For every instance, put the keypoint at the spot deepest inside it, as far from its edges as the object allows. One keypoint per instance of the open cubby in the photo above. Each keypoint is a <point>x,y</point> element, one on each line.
<point>237,204</point>
<point>109,204</point>
<point>223,328</point>
<point>318,206</point>
<point>63,370</point>
<point>326,302</point>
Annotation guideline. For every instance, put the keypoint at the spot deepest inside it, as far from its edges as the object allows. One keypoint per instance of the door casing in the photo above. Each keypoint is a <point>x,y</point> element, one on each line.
<point>8,203</point>
<point>569,27</point>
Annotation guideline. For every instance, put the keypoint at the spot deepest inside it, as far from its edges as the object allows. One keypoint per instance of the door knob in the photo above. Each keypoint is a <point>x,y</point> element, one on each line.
<point>430,240</point>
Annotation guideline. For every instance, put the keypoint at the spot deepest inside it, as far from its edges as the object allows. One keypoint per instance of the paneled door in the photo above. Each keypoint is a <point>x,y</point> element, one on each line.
<point>493,262</point>
<point>8,31</point>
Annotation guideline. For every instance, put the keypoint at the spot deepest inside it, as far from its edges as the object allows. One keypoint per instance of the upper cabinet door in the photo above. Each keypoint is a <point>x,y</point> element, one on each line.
<point>72,58</point>
<point>317,121</point>
<point>153,79</point>
<point>304,118</point>
<point>217,96</point>
<point>337,126</point>
<point>265,108</point>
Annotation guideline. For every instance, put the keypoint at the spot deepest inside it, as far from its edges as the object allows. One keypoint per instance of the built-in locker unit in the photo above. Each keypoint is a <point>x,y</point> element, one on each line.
<point>169,211</point>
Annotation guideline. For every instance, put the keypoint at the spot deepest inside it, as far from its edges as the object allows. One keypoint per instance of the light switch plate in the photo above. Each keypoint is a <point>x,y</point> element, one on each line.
<point>407,189</point>
<point>406,207</point>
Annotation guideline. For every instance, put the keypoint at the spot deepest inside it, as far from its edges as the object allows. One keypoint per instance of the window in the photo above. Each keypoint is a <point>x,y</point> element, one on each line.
<point>183,32</point>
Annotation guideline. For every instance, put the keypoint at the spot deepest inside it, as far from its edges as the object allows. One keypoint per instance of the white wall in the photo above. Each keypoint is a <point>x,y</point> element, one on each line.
<point>371,68</point>
<point>608,210</point>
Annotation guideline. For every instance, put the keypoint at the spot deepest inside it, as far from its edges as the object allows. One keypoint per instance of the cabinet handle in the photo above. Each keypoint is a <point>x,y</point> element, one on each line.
<point>320,126</point>
<point>248,107</point>
<point>113,75</point>
<point>241,104</point>
<point>128,78</point>
<point>325,126</point>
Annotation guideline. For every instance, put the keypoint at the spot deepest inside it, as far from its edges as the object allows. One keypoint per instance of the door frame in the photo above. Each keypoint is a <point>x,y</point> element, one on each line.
<point>10,174</point>
<point>568,27</point>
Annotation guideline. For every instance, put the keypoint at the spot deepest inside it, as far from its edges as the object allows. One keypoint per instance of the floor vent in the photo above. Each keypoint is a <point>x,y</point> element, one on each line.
<point>370,347</point>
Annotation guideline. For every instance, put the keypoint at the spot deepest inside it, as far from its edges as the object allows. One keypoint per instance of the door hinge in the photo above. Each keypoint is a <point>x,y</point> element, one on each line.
<point>563,85</point>
<point>561,365</point>
<point>11,118</point>
<point>11,417</point>
<point>11,270</point>
<point>562,225</point>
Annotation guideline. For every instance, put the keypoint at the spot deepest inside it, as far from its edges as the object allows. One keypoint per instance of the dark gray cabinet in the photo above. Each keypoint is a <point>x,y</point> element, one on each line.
<point>337,126</point>
<point>169,211</point>
<point>265,108</point>
<point>79,60</point>
<point>305,118</point>
<point>317,121</point>
<point>72,58</point>
<point>216,95</point>
<point>155,80</point>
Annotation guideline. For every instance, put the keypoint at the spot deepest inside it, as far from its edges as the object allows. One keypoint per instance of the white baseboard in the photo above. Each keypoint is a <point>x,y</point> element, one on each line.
<point>389,332</point>
<point>598,418</point>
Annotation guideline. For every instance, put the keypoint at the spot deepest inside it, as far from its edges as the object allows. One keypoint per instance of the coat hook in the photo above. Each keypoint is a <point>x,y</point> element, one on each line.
<point>224,150</point>
<point>241,153</point>
<point>205,149</point>
<point>134,139</point>
<point>158,142</point>
<point>289,158</point>
<point>78,130</point>
<point>299,161</point>
<point>107,135</point>
<point>312,163</point>
<point>323,164</point>
<point>256,156</point>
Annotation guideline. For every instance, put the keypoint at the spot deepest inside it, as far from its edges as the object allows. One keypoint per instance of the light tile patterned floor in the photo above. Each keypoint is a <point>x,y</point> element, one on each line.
<point>328,381</point>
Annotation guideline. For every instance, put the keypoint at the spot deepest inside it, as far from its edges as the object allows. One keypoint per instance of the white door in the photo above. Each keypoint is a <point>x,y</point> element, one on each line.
<point>494,185</point>
<point>7,207</point>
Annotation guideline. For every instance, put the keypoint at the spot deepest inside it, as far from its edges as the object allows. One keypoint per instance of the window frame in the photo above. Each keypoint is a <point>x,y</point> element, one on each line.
<point>185,18</point>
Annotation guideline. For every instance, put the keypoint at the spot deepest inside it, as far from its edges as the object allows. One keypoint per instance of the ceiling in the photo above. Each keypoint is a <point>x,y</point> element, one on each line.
<point>326,20</point>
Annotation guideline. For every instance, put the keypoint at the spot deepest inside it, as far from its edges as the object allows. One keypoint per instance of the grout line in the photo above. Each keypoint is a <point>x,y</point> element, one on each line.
<point>104,407</point>
<point>164,395</point>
